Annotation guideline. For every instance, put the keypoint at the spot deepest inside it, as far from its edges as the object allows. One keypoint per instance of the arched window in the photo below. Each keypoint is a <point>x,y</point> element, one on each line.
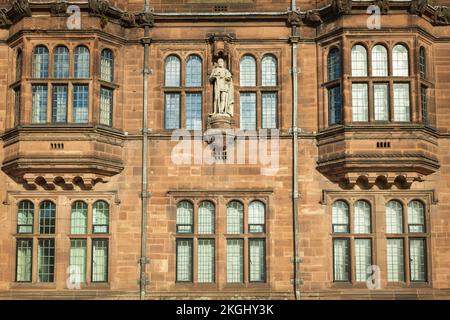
<point>47,217</point>
<point>379,61</point>
<point>394,217</point>
<point>256,217</point>
<point>422,63</point>
<point>416,216</point>
<point>194,71</point>
<point>362,217</point>
<point>248,71</point>
<point>206,218</point>
<point>269,70</point>
<point>185,217</point>
<point>81,62</point>
<point>78,218</point>
<point>40,62</point>
<point>19,61</point>
<point>100,217</point>
<point>400,61</point>
<point>172,71</point>
<point>235,217</point>
<point>359,61</point>
<point>25,217</point>
<point>61,62</point>
<point>334,64</point>
<point>339,217</point>
<point>107,65</point>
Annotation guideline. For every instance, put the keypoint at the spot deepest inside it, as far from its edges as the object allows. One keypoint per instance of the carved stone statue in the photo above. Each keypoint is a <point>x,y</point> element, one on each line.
<point>223,89</point>
<point>418,6</point>
<point>442,15</point>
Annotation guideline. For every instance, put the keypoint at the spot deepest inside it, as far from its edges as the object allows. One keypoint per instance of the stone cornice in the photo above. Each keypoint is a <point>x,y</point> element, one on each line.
<point>438,15</point>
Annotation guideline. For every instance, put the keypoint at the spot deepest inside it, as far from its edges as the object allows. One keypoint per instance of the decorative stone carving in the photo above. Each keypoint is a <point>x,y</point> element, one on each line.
<point>383,5</point>
<point>21,7</point>
<point>294,18</point>
<point>418,6</point>
<point>4,21</point>
<point>313,17</point>
<point>223,89</point>
<point>99,6</point>
<point>441,15</point>
<point>128,19</point>
<point>59,8</point>
<point>145,19</point>
<point>342,7</point>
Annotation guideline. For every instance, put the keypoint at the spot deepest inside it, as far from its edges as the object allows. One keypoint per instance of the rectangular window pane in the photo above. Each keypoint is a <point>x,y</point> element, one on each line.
<point>184,260</point>
<point>401,102</point>
<point>17,111</point>
<point>24,258</point>
<point>248,111</point>
<point>257,260</point>
<point>423,98</point>
<point>417,259</point>
<point>59,103</point>
<point>172,111</point>
<point>78,254</point>
<point>106,106</point>
<point>360,107</point>
<point>341,260</point>
<point>381,102</point>
<point>363,258</point>
<point>395,260</point>
<point>46,260</point>
<point>99,260</point>
<point>205,260</point>
<point>39,104</point>
<point>80,103</point>
<point>194,111</point>
<point>334,105</point>
<point>235,260</point>
<point>269,110</point>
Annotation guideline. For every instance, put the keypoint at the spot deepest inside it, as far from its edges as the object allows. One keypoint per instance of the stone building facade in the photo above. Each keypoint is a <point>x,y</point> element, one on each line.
<point>352,107</point>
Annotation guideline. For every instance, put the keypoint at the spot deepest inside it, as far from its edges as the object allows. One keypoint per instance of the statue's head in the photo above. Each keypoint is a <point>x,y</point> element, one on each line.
<point>221,62</point>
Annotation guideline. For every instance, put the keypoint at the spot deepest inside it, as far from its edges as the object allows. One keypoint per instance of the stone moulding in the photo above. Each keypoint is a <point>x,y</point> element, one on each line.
<point>438,15</point>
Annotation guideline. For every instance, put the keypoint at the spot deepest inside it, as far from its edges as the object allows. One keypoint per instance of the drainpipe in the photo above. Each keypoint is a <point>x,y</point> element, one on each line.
<point>145,195</point>
<point>294,131</point>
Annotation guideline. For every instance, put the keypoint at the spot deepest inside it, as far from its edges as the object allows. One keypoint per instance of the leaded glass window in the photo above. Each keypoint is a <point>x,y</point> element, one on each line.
<point>185,217</point>
<point>25,217</point>
<point>172,71</point>
<point>235,218</point>
<point>248,71</point>
<point>359,61</point>
<point>206,217</point>
<point>100,217</point>
<point>61,62</point>
<point>339,217</point>
<point>269,70</point>
<point>79,218</point>
<point>194,71</point>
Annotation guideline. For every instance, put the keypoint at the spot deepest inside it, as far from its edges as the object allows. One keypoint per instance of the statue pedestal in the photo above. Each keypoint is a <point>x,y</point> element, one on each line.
<point>220,121</point>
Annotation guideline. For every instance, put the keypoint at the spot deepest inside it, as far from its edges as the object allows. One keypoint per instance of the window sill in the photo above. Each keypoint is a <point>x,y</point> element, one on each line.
<point>32,285</point>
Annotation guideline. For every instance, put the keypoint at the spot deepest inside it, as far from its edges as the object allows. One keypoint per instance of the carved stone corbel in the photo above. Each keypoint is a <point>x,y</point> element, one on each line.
<point>294,18</point>
<point>342,7</point>
<point>145,19</point>
<point>128,20</point>
<point>21,7</point>
<point>418,6</point>
<point>441,15</point>
<point>99,6</point>
<point>383,5</point>
<point>313,17</point>
<point>4,21</point>
<point>59,8</point>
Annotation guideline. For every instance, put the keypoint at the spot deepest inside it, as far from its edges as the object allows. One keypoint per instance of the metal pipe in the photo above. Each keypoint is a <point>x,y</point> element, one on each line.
<point>144,190</point>
<point>295,193</point>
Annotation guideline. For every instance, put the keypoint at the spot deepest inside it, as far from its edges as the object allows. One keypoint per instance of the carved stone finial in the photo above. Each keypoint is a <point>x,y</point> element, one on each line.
<point>4,21</point>
<point>418,6</point>
<point>342,7</point>
<point>383,5</point>
<point>441,15</point>
<point>21,7</point>
<point>294,18</point>
<point>99,6</point>
<point>58,8</point>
